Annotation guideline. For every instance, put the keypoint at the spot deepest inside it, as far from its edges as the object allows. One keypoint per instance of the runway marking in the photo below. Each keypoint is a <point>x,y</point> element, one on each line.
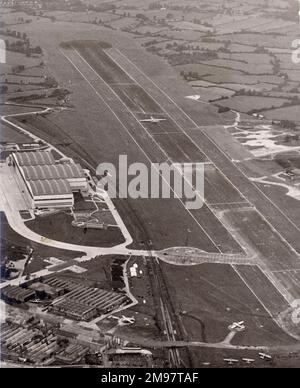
<point>213,142</point>
<point>285,294</point>
<point>228,203</point>
<point>286,270</point>
<point>139,146</point>
<point>166,133</point>
<point>121,84</point>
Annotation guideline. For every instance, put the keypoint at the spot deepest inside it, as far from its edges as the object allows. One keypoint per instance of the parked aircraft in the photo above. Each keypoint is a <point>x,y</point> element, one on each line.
<point>237,326</point>
<point>265,356</point>
<point>152,120</point>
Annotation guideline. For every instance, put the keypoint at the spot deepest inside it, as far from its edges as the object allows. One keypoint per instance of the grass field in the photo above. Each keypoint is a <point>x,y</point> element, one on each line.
<point>40,252</point>
<point>286,113</point>
<point>279,196</point>
<point>223,75</point>
<point>209,298</point>
<point>218,189</point>
<point>259,234</point>
<point>13,59</point>
<point>249,103</point>
<point>9,135</point>
<point>58,227</point>
<point>252,39</point>
<point>251,68</point>
<point>211,93</point>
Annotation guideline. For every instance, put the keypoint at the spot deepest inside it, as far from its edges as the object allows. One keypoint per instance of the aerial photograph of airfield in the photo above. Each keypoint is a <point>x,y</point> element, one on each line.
<point>88,279</point>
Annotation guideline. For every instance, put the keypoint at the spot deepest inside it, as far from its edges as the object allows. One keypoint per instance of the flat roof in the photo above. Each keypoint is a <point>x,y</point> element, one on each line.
<point>34,158</point>
<point>55,171</point>
<point>50,187</point>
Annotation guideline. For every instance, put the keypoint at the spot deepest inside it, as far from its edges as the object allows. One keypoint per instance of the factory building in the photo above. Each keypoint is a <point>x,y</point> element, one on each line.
<point>71,172</point>
<point>45,291</point>
<point>16,294</point>
<point>74,310</point>
<point>48,183</point>
<point>81,302</point>
<point>72,354</point>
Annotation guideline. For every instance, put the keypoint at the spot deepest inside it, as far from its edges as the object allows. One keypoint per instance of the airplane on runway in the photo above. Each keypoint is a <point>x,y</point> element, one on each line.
<point>231,361</point>
<point>237,326</point>
<point>152,120</point>
<point>248,360</point>
<point>265,356</point>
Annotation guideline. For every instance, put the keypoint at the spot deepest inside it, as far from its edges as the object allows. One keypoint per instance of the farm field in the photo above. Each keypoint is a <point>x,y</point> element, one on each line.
<point>222,75</point>
<point>270,41</point>
<point>13,59</point>
<point>249,103</point>
<point>252,68</point>
<point>286,113</point>
<point>82,17</point>
<point>211,93</point>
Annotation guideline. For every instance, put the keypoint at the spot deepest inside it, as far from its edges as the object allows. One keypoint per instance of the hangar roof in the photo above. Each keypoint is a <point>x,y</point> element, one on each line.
<point>34,158</point>
<point>55,171</point>
<point>50,187</point>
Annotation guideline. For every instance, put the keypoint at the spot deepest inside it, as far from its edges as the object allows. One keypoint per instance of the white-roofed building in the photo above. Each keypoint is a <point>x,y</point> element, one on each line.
<point>34,158</point>
<point>71,172</point>
<point>51,193</point>
<point>49,184</point>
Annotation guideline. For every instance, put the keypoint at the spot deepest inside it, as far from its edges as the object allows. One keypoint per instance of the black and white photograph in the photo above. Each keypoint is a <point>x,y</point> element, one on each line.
<point>149,187</point>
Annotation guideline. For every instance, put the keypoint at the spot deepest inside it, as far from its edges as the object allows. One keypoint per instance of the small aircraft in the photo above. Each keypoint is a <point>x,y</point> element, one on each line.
<point>127,319</point>
<point>248,360</point>
<point>237,326</point>
<point>124,319</point>
<point>265,356</point>
<point>231,361</point>
<point>152,120</point>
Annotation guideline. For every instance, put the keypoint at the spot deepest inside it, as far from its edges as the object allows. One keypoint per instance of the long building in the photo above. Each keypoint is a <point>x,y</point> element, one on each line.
<point>81,302</point>
<point>71,172</point>
<point>48,183</point>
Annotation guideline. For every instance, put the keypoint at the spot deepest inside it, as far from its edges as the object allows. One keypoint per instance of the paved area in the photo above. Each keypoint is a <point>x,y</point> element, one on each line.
<point>12,194</point>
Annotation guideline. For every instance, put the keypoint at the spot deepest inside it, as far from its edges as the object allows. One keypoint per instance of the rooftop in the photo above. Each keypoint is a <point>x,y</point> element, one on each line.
<point>56,171</point>
<point>50,187</point>
<point>34,158</point>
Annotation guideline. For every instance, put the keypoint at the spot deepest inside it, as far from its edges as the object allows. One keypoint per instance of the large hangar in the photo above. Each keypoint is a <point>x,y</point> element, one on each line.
<point>71,172</point>
<point>48,183</point>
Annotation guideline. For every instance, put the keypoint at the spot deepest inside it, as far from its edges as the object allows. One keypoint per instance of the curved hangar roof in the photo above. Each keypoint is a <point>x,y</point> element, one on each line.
<point>50,187</point>
<point>56,171</point>
<point>34,158</point>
